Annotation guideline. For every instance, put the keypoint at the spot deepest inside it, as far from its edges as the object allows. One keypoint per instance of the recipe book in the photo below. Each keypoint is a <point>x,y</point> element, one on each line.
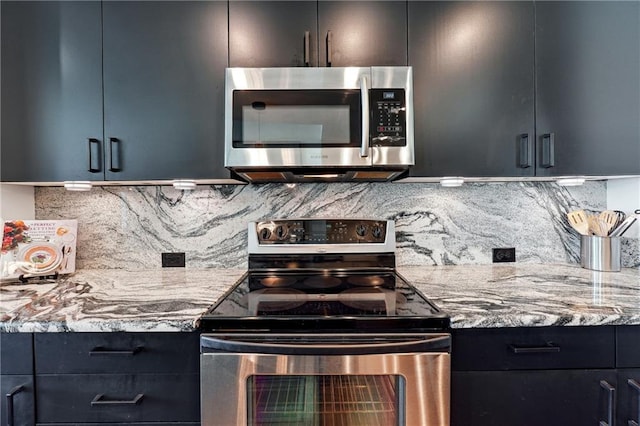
<point>32,248</point>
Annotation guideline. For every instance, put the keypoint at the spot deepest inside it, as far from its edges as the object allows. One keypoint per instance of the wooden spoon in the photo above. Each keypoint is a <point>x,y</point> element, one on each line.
<point>578,221</point>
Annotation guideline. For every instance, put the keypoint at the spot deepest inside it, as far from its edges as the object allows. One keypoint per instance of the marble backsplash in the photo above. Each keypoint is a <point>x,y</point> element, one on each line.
<point>128,227</point>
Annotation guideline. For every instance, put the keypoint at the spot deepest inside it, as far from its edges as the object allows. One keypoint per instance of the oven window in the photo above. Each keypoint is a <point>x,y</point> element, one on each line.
<point>295,118</point>
<point>325,400</point>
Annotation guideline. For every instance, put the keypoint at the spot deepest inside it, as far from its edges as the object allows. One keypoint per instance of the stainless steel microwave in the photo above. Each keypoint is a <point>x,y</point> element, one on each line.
<point>319,124</point>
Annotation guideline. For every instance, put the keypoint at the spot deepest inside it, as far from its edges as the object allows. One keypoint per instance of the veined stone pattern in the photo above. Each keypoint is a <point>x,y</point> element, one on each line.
<point>128,227</point>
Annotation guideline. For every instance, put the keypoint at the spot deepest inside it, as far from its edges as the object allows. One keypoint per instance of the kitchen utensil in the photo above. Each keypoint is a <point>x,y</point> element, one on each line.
<point>596,227</point>
<point>622,228</point>
<point>578,221</point>
<point>608,219</point>
<point>621,217</point>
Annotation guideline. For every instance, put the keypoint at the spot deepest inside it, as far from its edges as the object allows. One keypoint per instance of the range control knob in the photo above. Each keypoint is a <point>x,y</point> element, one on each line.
<point>361,230</point>
<point>281,232</point>
<point>265,234</point>
<point>376,232</point>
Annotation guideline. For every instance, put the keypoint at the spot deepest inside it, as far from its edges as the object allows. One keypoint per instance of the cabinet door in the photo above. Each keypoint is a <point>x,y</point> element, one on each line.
<point>16,404</point>
<point>588,89</point>
<point>272,33</point>
<point>629,397</point>
<point>543,397</point>
<point>474,88</point>
<point>362,33</point>
<point>164,89</point>
<point>16,353</point>
<point>51,91</point>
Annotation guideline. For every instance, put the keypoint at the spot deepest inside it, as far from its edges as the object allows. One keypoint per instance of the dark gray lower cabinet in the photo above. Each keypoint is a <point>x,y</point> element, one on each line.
<point>118,397</point>
<point>16,405</point>
<point>117,378</point>
<point>534,376</point>
<point>540,397</point>
<point>628,397</point>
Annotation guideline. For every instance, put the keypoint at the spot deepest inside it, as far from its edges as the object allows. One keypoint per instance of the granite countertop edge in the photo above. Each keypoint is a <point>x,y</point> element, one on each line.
<point>475,296</point>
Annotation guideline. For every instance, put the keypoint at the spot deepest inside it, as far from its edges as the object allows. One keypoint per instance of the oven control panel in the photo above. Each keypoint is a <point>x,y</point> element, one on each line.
<point>321,231</point>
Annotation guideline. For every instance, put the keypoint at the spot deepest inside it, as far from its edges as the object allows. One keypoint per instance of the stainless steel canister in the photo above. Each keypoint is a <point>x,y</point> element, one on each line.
<point>600,253</point>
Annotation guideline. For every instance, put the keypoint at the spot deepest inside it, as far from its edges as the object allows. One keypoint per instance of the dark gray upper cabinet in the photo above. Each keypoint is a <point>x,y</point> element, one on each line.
<point>51,91</point>
<point>474,87</point>
<point>362,33</point>
<point>588,87</point>
<point>160,66</point>
<point>164,89</point>
<point>272,33</point>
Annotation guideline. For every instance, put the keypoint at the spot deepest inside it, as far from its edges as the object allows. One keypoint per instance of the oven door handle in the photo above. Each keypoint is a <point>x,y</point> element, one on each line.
<point>323,344</point>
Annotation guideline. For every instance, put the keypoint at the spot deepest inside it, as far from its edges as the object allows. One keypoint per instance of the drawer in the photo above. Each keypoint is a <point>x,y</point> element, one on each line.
<point>533,348</point>
<point>104,398</point>
<point>628,346</point>
<point>71,353</point>
<point>17,390</point>
<point>16,353</point>
<point>123,424</point>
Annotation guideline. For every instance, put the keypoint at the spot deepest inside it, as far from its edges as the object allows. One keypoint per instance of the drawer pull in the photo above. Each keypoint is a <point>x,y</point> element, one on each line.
<point>635,385</point>
<point>611,403</point>
<point>10,396</point>
<point>99,350</point>
<point>99,400</point>
<point>546,349</point>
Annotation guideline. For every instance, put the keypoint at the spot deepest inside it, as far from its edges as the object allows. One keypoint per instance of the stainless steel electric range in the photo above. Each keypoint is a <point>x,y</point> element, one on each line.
<point>322,330</point>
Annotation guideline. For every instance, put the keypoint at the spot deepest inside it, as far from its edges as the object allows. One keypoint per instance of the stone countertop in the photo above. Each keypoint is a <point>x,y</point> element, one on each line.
<point>168,299</point>
<point>515,295</point>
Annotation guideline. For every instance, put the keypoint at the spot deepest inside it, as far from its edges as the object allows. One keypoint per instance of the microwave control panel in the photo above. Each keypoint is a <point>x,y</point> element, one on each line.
<point>388,117</point>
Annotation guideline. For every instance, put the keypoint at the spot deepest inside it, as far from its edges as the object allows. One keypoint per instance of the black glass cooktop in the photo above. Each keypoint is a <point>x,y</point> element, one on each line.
<point>325,301</point>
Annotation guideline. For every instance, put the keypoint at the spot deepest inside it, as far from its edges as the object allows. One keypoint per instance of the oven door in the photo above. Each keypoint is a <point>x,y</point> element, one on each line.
<point>325,379</point>
<point>297,117</point>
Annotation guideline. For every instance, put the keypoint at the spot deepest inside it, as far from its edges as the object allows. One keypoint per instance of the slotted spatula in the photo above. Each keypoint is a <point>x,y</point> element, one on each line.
<point>608,220</point>
<point>578,221</point>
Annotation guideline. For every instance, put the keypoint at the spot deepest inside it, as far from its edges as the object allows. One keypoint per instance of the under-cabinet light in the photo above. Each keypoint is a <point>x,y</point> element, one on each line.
<point>184,184</point>
<point>573,181</point>
<point>77,185</point>
<point>451,181</point>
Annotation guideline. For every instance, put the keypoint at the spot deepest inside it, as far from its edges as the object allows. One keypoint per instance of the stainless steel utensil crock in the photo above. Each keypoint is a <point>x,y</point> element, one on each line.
<point>600,253</point>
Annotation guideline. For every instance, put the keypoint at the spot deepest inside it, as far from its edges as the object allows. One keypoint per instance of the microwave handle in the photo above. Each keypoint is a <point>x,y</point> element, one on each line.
<point>364,97</point>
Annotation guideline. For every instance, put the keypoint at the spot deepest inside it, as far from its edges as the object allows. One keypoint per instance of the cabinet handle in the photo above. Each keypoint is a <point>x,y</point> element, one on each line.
<point>329,41</point>
<point>95,165</point>
<point>635,385</point>
<point>307,39</point>
<point>611,403</point>
<point>99,350</point>
<point>546,349</point>
<point>524,152</point>
<point>114,155</point>
<point>548,151</point>
<point>9,397</point>
<point>99,400</point>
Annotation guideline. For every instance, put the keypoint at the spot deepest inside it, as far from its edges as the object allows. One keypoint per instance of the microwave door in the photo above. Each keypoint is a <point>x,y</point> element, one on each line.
<point>293,125</point>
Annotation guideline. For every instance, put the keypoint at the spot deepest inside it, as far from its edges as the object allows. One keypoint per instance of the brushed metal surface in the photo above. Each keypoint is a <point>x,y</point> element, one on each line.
<point>426,376</point>
<point>317,79</point>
